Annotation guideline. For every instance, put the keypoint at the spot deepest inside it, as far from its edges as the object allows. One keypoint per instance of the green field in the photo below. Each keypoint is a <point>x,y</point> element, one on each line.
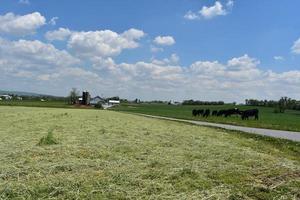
<point>290,120</point>
<point>112,155</point>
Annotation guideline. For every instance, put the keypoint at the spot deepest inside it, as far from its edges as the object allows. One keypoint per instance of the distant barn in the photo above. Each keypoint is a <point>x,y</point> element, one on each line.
<point>96,100</point>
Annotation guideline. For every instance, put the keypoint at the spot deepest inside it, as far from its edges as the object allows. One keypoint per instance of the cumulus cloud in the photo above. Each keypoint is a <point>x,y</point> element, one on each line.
<point>21,25</point>
<point>34,54</point>
<point>104,43</point>
<point>41,67</point>
<point>164,40</point>
<point>296,47</point>
<point>60,34</point>
<point>235,80</point>
<point>213,11</point>
<point>209,12</point>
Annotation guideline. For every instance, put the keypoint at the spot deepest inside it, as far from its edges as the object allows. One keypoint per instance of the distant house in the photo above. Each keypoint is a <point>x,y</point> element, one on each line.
<point>176,103</point>
<point>97,100</point>
<point>6,97</point>
<point>113,102</point>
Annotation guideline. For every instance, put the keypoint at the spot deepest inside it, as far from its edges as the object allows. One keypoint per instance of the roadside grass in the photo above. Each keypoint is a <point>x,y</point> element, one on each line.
<point>290,120</point>
<point>111,155</point>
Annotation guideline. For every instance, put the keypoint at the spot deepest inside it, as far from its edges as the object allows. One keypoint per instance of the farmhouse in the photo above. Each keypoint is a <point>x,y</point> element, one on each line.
<point>97,100</point>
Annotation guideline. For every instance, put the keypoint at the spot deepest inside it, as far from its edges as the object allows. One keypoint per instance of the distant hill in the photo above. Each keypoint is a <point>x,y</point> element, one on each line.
<point>2,92</point>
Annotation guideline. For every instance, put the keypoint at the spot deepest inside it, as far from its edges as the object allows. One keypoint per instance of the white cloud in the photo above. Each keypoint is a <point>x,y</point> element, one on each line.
<point>133,34</point>
<point>164,40</point>
<point>213,11</point>
<point>60,34</point>
<point>190,15</point>
<point>27,2</point>
<point>104,43</point>
<point>73,72</point>
<point>210,12</point>
<point>239,78</point>
<point>296,47</point>
<point>53,21</point>
<point>243,62</point>
<point>21,25</point>
<point>278,58</point>
<point>34,54</point>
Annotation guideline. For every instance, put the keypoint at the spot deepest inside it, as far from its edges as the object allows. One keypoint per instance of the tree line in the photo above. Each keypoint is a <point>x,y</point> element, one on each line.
<point>197,102</point>
<point>281,105</point>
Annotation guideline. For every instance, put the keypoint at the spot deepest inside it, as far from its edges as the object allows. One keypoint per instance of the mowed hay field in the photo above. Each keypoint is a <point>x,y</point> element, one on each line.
<point>290,120</point>
<point>111,155</point>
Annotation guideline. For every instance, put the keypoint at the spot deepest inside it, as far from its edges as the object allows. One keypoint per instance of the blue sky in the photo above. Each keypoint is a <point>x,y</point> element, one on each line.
<point>261,36</point>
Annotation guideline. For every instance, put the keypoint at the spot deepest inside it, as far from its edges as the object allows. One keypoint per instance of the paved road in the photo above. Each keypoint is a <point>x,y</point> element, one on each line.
<point>290,135</point>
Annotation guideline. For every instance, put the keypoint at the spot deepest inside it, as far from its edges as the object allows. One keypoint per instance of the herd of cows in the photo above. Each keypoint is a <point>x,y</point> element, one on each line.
<point>226,113</point>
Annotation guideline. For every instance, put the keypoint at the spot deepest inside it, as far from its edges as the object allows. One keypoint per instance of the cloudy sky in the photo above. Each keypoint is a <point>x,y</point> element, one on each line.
<point>202,49</point>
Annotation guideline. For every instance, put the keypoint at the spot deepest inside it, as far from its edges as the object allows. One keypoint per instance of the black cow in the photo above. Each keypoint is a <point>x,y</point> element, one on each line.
<point>196,112</point>
<point>249,113</point>
<point>214,113</point>
<point>229,112</point>
<point>206,113</point>
<point>221,112</point>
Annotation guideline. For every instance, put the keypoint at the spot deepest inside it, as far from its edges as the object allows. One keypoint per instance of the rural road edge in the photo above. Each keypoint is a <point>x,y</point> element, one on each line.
<point>289,135</point>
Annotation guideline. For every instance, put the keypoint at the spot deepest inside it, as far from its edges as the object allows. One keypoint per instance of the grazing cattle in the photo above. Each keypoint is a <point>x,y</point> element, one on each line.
<point>214,113</point>
<point>221,112</point>
<point>249,113</point>
<point>196,112</point>
<point>230,112</point>
<point>200,112</point>
<point>206,113</point>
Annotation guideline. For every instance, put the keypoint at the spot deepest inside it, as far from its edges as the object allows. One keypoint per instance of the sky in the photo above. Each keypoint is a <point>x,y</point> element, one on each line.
<point>228,50</point>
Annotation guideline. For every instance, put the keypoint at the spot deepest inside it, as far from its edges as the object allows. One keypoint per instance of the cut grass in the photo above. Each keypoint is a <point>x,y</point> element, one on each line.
<point>110,155</point>
<point>35,103</point>
<point>290,120</point>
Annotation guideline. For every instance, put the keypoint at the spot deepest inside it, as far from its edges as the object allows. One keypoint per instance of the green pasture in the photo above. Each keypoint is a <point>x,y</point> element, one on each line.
<point>290,120</point>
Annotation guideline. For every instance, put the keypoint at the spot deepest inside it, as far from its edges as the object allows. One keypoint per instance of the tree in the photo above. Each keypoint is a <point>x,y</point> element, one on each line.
<point>282,103</point>
<point>73,96</point>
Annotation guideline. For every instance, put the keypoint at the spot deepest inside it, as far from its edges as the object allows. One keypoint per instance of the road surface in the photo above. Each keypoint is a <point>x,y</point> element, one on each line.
<point>289,135</point>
